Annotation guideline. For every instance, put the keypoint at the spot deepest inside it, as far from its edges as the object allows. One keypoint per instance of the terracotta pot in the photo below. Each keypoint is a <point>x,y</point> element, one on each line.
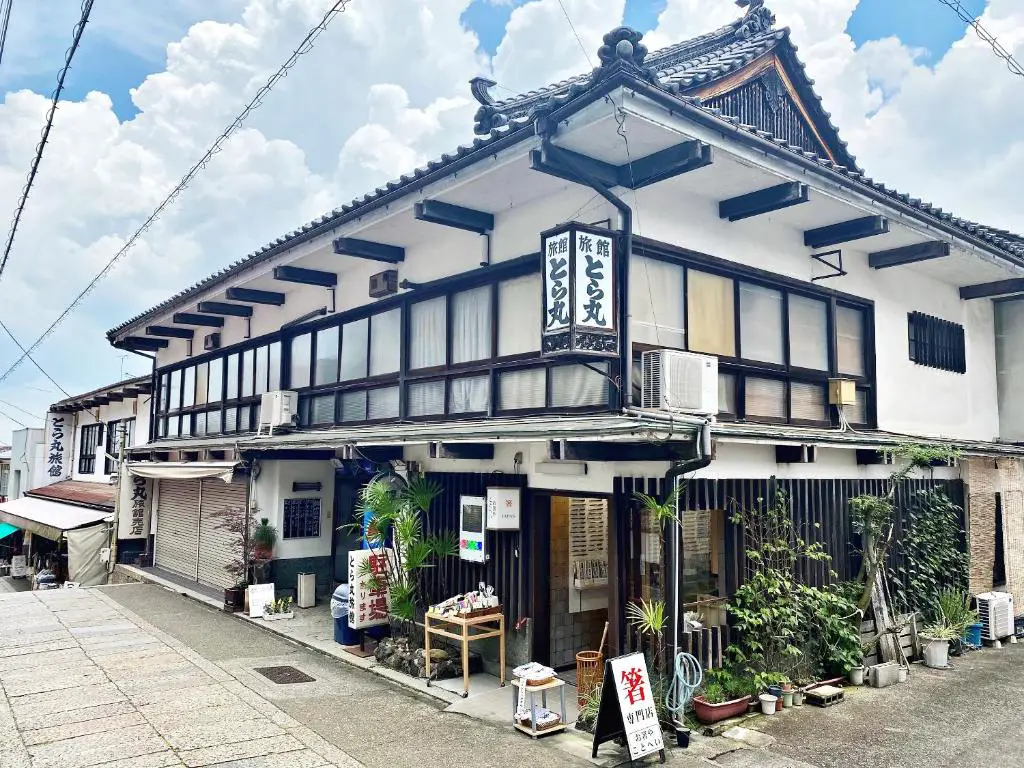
<point>712,713</point>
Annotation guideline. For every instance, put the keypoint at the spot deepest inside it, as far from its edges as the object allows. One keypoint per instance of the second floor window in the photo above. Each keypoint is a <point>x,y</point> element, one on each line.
<point>91,437</point>
<point>937,343</point>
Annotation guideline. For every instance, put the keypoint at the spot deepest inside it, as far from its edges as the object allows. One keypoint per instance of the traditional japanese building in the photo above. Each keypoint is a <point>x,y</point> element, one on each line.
<point>671,264</point>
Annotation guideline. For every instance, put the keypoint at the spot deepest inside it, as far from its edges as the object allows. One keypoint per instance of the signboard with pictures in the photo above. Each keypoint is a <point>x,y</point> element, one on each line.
<point>631,713</point>
<point>579,290</point>
<point>503,509</point>
<point>368,598</point>
<point>472,530</point>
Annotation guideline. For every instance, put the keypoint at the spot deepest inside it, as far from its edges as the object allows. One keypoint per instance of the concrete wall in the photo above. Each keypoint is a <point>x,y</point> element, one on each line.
<point>27,461</point>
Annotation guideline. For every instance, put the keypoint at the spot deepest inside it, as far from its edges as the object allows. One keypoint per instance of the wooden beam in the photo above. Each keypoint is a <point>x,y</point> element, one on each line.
<point>364,249</point>
<point>190,318</point>
<point>457,216</point>
<point>381,454</point>
<point>603,450</point>
<point>665,164</point>
<point>479,451</point>
<point>169,332</point>
<point>252,296</point>
<point>143,344</point>
<point>846,231</point>
<point>306,276</point>
<point>764,201</point>
<point>908,254</point>
<point>988,290</point>
<point>222,308</point>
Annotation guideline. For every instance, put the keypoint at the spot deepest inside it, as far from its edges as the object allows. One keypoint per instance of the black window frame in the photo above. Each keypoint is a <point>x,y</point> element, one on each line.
<point>936,343</point>
<point>90,440</point>
<point>301,528</point>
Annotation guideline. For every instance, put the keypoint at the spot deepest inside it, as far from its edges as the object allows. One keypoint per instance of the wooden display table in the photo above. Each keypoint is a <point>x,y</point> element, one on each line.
<point>531,691</point>
<point>470,629</point>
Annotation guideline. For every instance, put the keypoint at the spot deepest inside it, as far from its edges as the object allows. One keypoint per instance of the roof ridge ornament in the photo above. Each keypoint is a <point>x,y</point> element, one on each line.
<point>758,18</point>
<point>622,49</point>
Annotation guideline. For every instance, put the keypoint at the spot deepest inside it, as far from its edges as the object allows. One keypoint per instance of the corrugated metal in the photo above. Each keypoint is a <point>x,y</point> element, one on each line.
<point>78,492</point>
<point>507,568</point>
<point>177,529</point>
<point>216,546</point>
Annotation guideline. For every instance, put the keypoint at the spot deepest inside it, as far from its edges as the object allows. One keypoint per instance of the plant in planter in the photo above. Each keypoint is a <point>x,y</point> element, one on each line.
<point>723,696</point>
<point>936,637</point>
<point>245,566</point>
<point>279,609</point>
<point>264,537</point>
<point>954,609</point>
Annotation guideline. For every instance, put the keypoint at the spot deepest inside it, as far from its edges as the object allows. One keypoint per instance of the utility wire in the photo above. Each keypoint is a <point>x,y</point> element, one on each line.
<point>25,353</point>
<point>303,48</point>
<point>18,408</point>
<point>5,20</point>
<point>577,34</point>
<point>11,418</point>
<point>968,18</point>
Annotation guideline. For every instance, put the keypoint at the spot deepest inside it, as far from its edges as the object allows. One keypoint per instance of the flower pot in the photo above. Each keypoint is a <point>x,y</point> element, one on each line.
<point>712,713</point>
<point>234,599</point>
<point>857,675</point>
<point>683,737</point>
<point>768,703</point>
<point>972,635</point>
<point>901,676</point>
<point>936,653</point>
<point>787,699</point>
<point>279,616</point>
<point>776,691</point>
<point>798,698</point>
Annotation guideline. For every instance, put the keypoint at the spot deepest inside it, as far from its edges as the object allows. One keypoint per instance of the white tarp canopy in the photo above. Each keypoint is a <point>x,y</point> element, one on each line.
<point>192,470</point>
<point>49,519</point>
<point>84,563</point>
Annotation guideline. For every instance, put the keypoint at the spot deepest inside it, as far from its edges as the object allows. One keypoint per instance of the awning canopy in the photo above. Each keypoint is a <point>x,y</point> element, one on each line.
<point>49,519</point>
<point>191,470</point>
<point>6,530</point>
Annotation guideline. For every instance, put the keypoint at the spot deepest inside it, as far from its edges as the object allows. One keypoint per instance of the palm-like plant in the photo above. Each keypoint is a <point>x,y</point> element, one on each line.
<point>648,618</point>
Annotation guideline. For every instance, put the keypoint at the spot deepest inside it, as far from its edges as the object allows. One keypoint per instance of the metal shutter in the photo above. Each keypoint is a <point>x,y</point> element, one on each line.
<point>178,526</point>
<point>217,547</point>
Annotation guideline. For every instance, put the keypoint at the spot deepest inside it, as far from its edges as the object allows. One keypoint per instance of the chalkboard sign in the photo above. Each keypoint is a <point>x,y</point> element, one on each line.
<point>628,709</point>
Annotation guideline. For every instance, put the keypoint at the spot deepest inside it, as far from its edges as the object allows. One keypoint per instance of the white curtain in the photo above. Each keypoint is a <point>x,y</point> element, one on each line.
<point>808,333</point>
<point>850,340</point>
<point>425,398</point>
<point>300,365</point>
<point>326,369</point>
<point>575,386</point>
<point>385,341</point>
<point>522,389</point>
<point>727,393</point>
<point>470,395</point>
<point>520,308</point>
<point>760,324</point>
<point>471,325</point>
<point>354,338</point>
<point>656,303</point>
<point>428,333</point>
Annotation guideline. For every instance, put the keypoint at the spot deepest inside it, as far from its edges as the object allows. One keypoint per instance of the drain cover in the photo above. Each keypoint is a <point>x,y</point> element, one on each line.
<point>285,675</point>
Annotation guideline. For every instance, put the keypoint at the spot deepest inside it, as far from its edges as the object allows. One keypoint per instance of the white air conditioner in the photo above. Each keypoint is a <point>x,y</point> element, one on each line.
<point>679,381</point>
<point>278,409</point>
<point>995,611</point>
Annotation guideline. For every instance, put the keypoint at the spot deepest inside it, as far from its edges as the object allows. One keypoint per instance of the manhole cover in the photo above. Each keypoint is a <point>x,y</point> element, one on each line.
<point>285,675</point>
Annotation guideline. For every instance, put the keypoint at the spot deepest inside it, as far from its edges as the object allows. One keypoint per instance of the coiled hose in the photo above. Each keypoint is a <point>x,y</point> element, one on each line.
<point>686,679</point>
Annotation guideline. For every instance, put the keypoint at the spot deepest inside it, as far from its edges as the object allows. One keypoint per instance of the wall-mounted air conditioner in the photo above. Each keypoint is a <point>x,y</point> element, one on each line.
<point>278,409</point>
<point>679,381</point>
<point>995,612</point>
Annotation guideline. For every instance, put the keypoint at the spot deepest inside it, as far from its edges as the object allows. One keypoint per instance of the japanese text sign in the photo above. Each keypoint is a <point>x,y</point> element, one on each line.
<point>368,594</point>
<point>636,702</point>
<point>133,509</point>
<point>503,509</point>
<point>58,441</point>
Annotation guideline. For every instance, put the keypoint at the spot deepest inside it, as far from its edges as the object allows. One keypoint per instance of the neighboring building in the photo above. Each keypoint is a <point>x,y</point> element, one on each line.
<point>5,471</point>
<point>28,461</point>
<point>715,210</point>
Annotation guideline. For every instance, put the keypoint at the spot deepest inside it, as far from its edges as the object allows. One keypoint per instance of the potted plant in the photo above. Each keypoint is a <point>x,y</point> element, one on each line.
<point>243,567</point>
<point>723,696</point>
<point>264,537</point>
<point>936,637</point>
<point>279,609</point>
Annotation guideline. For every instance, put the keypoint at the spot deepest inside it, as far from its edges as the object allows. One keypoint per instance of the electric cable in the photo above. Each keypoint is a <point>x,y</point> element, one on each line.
<point>303,48</point>
<point>577,34</point>
<point>32,359</point>
<point>5,20</point>
<point>970,20</point>
<point>11,418</point>
<point>19,408</point>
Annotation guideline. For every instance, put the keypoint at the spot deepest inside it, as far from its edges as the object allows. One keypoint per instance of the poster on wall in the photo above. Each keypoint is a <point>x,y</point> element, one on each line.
<point>503,509</point>
<point>134,507</point>
<point>632,712</point>
<point>59,435</point>
<point>368,600</point>
<point>472,529</point>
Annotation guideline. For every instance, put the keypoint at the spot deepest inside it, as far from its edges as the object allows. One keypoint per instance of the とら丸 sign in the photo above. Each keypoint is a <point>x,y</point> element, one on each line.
<point>579,290</point>
<point>632,711</point>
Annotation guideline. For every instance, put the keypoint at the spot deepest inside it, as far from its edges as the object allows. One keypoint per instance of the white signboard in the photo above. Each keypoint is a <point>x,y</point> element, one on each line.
<point>636,702</point>
<point>367,607</point>
<point>134,505</point>
<point>503,509</point>
<point>259,596</point>
<point>59,436</point>
<point>472,530</point>
<point>556,282</point>
<point>18,567</point>
<point>593,282</point>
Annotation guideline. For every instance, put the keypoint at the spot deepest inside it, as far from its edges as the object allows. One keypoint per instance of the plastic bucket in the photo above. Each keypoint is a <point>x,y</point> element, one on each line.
<point>973,634</point>
<point>767,703</point>
<point>589,668</point>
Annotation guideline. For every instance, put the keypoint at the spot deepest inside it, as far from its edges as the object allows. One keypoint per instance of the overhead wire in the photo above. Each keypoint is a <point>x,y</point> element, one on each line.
<point>5,21</point>
<point>998,48</point>
<point>304,47</point>
<point>19,408</point>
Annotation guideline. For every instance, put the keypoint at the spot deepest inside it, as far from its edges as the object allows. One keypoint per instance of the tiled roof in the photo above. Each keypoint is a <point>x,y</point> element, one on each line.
<point>142,382</point>
<point>78,492</point>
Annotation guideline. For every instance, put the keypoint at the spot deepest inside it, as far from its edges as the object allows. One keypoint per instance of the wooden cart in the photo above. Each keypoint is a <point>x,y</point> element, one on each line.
<point>470,628</point>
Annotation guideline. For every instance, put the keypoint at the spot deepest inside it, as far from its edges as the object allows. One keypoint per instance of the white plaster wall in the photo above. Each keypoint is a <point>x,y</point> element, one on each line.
<point>136,407</point>
<point>274,485</point>
<point>27,459</point>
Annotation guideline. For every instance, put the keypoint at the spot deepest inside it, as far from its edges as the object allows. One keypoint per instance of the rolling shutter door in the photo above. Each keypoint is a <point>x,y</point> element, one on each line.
<point>178,526</point>
<point>216,546</point>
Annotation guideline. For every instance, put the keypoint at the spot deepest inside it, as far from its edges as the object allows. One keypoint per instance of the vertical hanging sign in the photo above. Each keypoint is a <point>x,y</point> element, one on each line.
<point>579,291</point>
<point>58,440</point>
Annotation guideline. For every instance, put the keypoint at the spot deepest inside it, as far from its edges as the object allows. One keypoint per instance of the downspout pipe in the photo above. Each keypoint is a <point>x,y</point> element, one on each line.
<point>550,152</point>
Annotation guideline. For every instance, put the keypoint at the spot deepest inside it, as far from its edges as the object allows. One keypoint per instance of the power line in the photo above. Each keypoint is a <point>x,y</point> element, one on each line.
<point>577,34</point>
<point>968,18</point>
<point>303,48</point>
<point>18,408</point>
<point>11,418</point>
<point>5,9</point>
<point>36,364</point>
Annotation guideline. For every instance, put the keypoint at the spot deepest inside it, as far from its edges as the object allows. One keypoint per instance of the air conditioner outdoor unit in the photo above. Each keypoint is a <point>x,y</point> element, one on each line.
<point>679,381</point>
<point>995,611</point>
<point>278,409</point>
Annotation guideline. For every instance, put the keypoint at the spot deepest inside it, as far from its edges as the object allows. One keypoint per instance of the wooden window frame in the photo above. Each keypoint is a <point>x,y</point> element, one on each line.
<point>936,343</point>
<point>92,436</point>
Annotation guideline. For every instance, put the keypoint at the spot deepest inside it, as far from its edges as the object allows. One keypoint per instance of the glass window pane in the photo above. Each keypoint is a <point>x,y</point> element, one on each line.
<point>353,406</point>
<point>850,341</point>
<point>213,422</point>
<point>173,428</point>
<point>761,324</point>
<point>327,355</point>
<point>175,390</point>
<point>200,424</point>
<point>216,383</point>
<point>520,309</point>
<point>471,325</point>
<point>274,366</point>
<point>727,393</point>
<point>425,398</point>
<point>231,377</point>
<point>428,335</point>
<point>385,342</point>
<point>262,364</point>
<point>245,418</point>
<point>248,373</point>
<point>858,413</point>
<point>354,339</point>
<point>382,403</point>
<point>522,389</point>
<point>188,387</point>
<point>202,383</point>
<point>808,333</point>
<point>576,386</point>
<point>301,350</point>
<point>321,410</point>
<point>165,391</point>
<point>230,419</point>
<point>656,303</point>
<point>469,395</point>
<point>765,398</point>
<point>710,314</point>
<point>808,401</point>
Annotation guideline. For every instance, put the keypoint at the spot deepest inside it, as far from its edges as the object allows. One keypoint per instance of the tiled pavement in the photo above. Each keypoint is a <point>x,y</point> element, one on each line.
<point>83,684</point>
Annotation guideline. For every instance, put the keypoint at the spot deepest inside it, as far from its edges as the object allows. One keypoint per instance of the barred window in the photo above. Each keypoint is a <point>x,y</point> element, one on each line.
<point>937,343</point>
